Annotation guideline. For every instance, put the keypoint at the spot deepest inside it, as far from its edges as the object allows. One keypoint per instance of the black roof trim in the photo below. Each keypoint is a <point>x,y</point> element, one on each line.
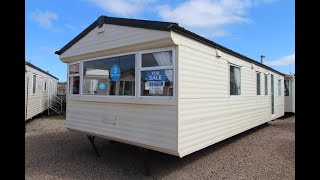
<point>194,36</point>
<point>37,68</point>
<point>139,23</point>
<point>161,26</point>
<point>154,25</point>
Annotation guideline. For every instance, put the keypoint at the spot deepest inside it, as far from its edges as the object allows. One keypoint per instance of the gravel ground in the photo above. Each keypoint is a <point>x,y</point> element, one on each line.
<point>53,152</point>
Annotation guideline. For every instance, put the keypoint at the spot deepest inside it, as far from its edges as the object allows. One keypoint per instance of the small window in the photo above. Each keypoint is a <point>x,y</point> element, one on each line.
<point>157,74</point>
<point>74,85</point>
<point>265,84</point>
<point>74,79</point>
<point>258,84</point>
<point>235,80</point>
<point>34,83</point>
<point>279,87</point>
<point>286,87</point>
<point>45,86</point>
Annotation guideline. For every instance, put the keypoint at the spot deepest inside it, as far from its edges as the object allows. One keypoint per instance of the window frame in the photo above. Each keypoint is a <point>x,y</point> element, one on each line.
<point>279,87</point>
<point>266,84</point>
<point>44,86</point>
<point>73,75</point>
<point>240,67</point>
<point>138,69</point>
<point>257,72</point>
<point>284,89</point>
<point>35,89</point>
<point>171,67</point>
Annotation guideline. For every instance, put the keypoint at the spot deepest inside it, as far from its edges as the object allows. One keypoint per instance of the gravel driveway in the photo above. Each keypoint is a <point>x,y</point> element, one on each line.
<point>53,152</point>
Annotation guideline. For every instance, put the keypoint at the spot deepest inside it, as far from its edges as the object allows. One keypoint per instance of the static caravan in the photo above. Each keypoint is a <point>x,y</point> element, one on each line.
<point>40,89</point>
<point>289,93</point>
<point>159,86</point>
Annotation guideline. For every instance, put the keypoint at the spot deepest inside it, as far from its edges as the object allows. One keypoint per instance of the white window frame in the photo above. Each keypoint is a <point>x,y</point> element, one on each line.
<point>138,69</point>
<point>240,67</point>
<point>266,87</point>
<point>44,86</point>
<point>171,67</point>
<point>289,88</point>
<point>279,87</point>
<point>35,91</point>
<point>69,90</point>
<point>257,72</point>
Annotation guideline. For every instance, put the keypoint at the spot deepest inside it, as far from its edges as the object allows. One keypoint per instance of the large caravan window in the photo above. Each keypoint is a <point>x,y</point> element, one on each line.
<point>258,83</point>
<point>109,76</point>
<point>157,74</point>
<point>74,79</point>
<point>34,83</point>
<point>286,87</point>
<point>265,84</point>
<point>235,80</point>
<point>279,87</point>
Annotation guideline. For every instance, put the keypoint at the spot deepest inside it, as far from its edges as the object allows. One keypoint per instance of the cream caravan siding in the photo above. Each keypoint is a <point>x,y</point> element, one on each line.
<point>38,102</point>
<point>114,37</point>
<point>151,126</point>
<point>144,122</point>
<point>206,112</point>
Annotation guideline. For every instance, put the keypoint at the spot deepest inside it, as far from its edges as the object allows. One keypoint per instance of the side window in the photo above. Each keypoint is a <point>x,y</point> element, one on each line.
<point>45,86</point>
<point>265,84</point>
<point>279,87</point>
<point>74,79</point>
<point>34,84</point>
<point>258,84</point>
<point>286,88</point>
<point>235,80</point>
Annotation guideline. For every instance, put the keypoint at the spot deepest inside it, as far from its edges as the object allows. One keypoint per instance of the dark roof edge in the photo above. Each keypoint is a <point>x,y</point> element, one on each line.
<point>194,36</point>
<point>115,21</point>
<point>37,68</point>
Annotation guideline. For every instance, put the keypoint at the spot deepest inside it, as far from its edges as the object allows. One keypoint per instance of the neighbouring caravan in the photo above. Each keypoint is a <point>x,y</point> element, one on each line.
<point>40,90</point>
<point>159,86</point>
<point>289,93</point>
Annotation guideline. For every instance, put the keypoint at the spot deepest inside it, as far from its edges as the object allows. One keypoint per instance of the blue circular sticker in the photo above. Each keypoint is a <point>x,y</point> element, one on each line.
<point>102,85</point>
<point>115,73</point>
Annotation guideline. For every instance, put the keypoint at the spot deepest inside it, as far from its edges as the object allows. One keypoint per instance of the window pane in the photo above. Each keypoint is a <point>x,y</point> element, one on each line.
<point>157,83</point>
<point>266,84</point>
<point>107,76</point>
<point>286,87</point>
<point>157,59</point>
<point>258,83</point>
<point>74,68</point>
<point>74,85</point>
<point>279,87</point>
<point>34,84</point>
<point>235,81</point>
